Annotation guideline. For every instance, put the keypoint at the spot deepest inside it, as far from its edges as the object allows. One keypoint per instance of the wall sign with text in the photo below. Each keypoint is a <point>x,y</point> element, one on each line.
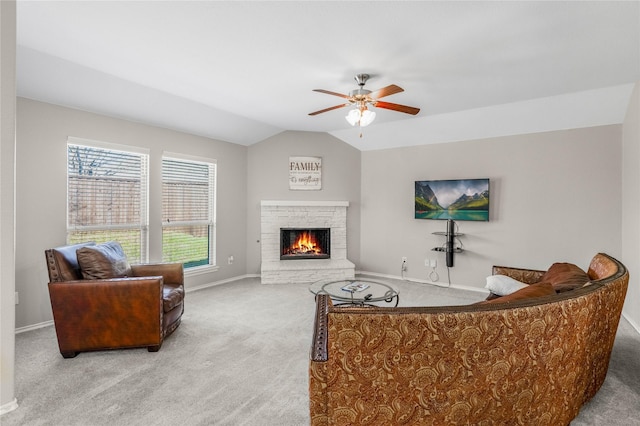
<point>305,173</point>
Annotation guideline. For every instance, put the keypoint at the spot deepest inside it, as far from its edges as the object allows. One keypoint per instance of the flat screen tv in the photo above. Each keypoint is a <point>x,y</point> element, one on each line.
<point>460,199</point>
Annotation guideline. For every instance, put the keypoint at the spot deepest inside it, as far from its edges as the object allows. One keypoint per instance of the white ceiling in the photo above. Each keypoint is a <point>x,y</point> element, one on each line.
<point>244,71</point>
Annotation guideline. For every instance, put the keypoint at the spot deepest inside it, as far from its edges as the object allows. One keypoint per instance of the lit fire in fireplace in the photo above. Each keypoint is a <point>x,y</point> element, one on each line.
<point>306,243</point>
<point>312,243</point>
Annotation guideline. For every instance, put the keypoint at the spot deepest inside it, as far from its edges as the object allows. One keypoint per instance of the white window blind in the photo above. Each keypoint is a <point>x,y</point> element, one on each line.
<point>188,211</point>
<point>107,198</point>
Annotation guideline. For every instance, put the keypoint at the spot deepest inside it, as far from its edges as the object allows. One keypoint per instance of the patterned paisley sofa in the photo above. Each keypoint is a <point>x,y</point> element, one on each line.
<point>533,361</point>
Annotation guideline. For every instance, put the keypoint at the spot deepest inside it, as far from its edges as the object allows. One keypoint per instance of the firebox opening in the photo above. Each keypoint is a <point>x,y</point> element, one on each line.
<point>304,243</point>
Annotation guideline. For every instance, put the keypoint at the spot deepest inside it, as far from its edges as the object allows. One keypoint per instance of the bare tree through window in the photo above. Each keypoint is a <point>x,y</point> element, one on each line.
<point>107,197</point>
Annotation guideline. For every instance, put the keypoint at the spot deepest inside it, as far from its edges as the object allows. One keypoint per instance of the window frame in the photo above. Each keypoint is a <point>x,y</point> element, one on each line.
<point>212,207</point>
<point>143,225</point>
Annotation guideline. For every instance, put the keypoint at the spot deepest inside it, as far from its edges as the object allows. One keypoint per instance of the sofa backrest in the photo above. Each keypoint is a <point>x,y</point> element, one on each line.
<point>601,267</point>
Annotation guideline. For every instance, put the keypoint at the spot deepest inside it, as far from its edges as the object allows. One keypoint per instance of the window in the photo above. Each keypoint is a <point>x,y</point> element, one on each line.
<point>107,197</point>
<point>188,211</point>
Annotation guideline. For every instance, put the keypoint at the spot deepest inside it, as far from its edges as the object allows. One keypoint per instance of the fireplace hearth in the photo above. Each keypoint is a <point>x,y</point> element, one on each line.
<point>305,243</point>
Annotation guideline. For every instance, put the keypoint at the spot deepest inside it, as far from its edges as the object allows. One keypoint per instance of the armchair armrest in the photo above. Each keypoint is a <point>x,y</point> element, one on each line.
<point>106,314</point>
<point>172,273</point>
<point>527,276</point>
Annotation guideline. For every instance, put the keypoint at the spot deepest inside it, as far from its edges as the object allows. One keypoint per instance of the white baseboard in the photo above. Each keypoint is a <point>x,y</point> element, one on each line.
<point>34,327</point>
<point>420,281</point>
<point>633,324</point>
<point>229,280</point>
<point>216,283</point>
<point>8,407</point>
<point>461,287</point>
<point>188,290</point>
<point>241,277</point>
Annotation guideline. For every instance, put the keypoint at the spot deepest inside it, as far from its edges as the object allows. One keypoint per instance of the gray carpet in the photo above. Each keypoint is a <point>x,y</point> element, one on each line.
<point>240,357</point>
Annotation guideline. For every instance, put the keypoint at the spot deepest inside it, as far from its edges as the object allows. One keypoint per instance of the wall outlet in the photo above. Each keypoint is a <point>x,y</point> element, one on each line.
<point>433,263</point>
<point>230,260</point>
<point>427,262</point>
<point>404,264</point>
<point>404,259</point>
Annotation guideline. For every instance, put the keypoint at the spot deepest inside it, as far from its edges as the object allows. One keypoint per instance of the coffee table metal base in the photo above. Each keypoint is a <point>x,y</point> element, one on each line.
<point>356,292</point>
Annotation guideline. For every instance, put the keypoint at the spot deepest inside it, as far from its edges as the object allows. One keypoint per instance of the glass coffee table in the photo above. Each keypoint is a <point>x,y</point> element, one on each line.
<point>358,292</point>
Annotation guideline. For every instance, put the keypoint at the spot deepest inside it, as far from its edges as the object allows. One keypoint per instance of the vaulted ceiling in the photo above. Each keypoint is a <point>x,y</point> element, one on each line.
<point>244,71</point>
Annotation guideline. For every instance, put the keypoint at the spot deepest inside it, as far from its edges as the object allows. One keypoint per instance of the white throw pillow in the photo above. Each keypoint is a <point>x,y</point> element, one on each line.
<point>503,285</point>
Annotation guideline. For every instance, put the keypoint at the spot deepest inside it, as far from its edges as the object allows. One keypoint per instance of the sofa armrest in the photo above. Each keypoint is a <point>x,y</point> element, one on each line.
<point>527,276</point>
<point>318,369</point>
<point>320,329</point>
<point>104,314</point>
<point>171,272</point>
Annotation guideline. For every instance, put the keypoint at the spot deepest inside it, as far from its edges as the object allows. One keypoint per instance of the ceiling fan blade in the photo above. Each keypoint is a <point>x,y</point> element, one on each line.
<point>396,107</point>
<point>386,91</point>
<point>331,93</point>
<point>328,109</point>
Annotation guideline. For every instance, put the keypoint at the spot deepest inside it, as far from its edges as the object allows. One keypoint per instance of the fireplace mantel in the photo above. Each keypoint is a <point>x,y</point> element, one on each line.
<point>275,214</point>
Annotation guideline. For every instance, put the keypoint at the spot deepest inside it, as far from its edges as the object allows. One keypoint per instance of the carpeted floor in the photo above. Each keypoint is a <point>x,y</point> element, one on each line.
<point>240,357</point>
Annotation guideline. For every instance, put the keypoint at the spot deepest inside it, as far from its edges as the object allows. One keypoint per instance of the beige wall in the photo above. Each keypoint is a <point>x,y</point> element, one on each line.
<point>631,206</point>
<point>555,196</point>
<point>7,204</point>
<point>269,180</point>
<point>42,132</point>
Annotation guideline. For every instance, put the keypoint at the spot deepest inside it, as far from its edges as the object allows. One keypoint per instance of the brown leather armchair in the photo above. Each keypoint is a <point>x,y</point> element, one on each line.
<point>139,310</point>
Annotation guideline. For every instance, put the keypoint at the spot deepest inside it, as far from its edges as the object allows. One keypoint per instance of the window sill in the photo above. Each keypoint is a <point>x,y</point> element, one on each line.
<point>200,270</point>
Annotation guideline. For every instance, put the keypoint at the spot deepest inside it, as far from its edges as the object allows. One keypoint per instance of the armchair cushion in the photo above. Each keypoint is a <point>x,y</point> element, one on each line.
<point>103,261</point>
<point>172,296</point>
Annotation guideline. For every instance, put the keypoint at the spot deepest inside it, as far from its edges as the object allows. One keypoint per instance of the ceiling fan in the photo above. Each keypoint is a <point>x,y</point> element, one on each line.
<point>362,98</point>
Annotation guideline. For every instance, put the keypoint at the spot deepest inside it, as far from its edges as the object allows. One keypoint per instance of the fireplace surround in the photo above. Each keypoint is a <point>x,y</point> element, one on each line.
<point>309,215</point>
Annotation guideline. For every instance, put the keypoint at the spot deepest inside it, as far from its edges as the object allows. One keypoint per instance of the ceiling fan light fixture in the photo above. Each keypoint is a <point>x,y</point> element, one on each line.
<point>360,117</point>
<point>362,98</point>
<point>353,117</point>
<point>367,118</point>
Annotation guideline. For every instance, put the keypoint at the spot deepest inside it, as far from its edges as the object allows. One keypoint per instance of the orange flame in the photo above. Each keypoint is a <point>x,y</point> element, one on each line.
<point>306,243</point>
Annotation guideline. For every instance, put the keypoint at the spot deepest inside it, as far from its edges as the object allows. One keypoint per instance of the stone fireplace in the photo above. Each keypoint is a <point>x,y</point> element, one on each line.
<point>314,256</point>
